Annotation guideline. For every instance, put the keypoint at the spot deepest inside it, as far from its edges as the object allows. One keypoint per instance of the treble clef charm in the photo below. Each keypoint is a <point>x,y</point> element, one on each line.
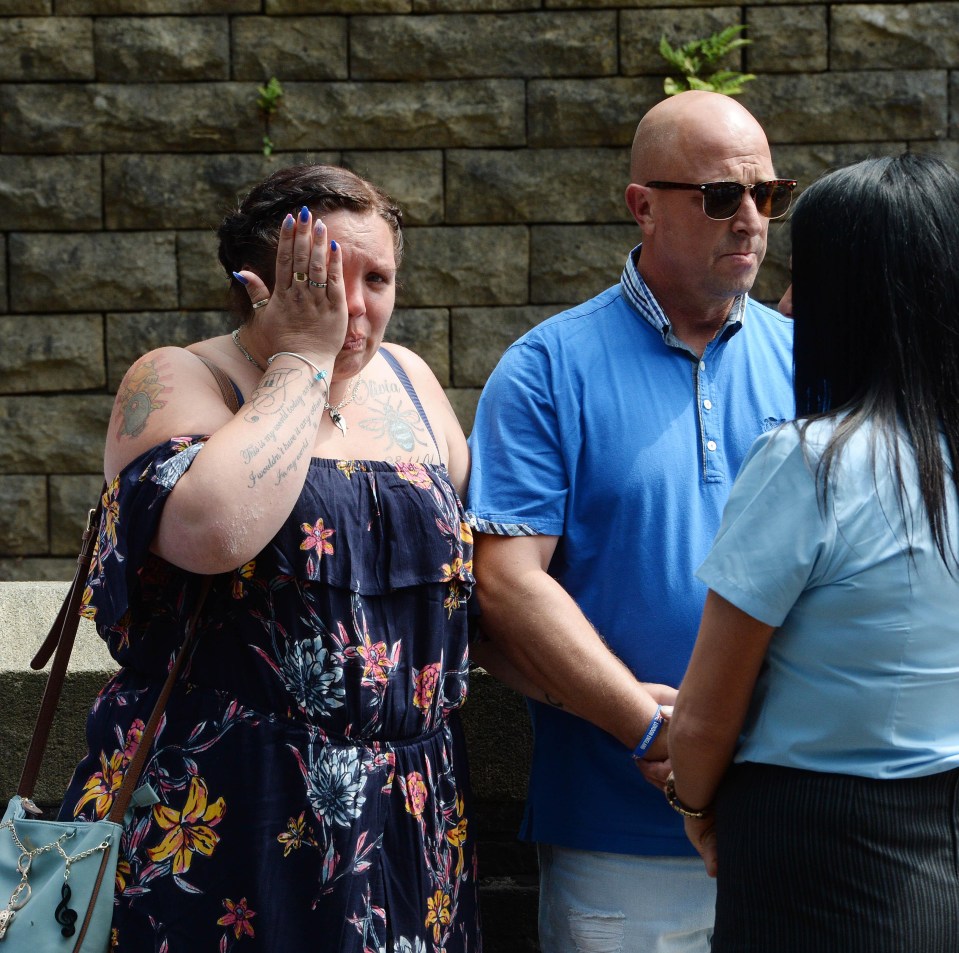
<point>66,917</point>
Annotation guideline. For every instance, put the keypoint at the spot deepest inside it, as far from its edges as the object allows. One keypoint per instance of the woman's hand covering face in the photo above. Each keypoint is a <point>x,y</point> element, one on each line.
<point>307,307</point>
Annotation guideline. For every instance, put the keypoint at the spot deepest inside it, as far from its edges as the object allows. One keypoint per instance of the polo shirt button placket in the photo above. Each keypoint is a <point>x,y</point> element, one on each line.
<point>712,467</point>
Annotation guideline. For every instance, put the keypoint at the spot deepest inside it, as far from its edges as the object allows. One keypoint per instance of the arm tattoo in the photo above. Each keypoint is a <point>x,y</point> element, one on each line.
<point>284,436</point>
<point>270,394</point>
<point>138,398</point>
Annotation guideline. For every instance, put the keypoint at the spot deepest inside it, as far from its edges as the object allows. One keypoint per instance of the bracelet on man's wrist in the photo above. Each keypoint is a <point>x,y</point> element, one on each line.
<point>659,719</point>
<point>678,806</point>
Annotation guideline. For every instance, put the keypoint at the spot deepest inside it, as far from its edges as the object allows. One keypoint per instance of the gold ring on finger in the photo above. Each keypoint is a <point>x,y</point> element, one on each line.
<point>260,304</point>
<point>299,276</point>
<point>317,284</point>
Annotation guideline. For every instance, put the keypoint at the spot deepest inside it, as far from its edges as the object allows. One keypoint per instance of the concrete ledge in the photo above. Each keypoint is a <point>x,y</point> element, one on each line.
<point>28,609</point>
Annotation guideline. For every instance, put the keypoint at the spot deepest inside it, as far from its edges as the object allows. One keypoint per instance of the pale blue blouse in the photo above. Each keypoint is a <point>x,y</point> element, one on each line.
<point>862,673</point>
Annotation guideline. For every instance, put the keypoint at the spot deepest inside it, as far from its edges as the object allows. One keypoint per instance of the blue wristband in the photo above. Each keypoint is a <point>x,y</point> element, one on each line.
<point>650,735</point>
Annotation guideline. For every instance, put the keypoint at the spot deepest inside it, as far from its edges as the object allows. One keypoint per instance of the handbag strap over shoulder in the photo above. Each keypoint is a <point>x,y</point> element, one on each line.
<point>59,643</point>
<point>54,688</point>
<point>224,383</point>
<point>131,777</point>
<point>69,614</point>
<point>62,635</point>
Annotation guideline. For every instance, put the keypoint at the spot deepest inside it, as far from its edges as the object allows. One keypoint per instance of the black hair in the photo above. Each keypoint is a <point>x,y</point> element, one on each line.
<point>248,234</point>
<point>875,261</point>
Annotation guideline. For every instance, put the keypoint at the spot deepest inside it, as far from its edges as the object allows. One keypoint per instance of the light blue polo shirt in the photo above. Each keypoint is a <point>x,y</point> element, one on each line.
<point>602,428</point>
<point>862,675</point>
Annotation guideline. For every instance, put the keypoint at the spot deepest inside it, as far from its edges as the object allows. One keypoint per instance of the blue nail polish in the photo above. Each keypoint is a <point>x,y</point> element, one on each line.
<point>288,221</point>
<point>240,278</point>
<point>334,246</point>
<point>304,214</point>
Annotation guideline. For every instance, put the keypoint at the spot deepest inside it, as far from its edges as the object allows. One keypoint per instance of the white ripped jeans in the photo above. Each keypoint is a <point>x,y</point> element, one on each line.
<point>595,902</point>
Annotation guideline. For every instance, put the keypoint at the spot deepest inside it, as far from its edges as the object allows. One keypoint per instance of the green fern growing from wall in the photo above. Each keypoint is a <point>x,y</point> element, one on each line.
<point>695,58</point>
<point>268,102</point>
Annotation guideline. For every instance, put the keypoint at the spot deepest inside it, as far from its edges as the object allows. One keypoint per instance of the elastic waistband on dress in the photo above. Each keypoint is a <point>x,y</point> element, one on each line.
<point>144,682</point>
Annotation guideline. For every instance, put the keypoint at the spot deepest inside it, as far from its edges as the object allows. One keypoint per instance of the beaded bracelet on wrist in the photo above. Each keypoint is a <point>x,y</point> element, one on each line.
<point>678,806</point>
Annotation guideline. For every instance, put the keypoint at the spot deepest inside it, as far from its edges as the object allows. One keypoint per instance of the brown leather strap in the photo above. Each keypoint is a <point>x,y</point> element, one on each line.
<point>92,904</point>
<point>225,385</point>
<point>69,611</point>
<point>60,639</point>
<point>51,697</point>
<point>131,777</point>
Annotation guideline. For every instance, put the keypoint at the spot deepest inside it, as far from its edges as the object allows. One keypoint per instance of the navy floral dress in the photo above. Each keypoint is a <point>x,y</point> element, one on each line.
<point>310,776</point>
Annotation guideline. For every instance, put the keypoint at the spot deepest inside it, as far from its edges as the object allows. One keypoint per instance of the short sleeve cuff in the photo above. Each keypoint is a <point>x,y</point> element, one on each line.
<point>132,507</point>
<point>495,528</point>
<point>744,601</point>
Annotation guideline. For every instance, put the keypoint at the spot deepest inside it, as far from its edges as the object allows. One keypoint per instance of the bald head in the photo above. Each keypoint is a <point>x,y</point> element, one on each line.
<point>686,132</point>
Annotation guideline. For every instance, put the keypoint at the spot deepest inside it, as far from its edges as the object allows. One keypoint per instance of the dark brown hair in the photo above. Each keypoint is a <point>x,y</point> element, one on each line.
<point>248,235</point>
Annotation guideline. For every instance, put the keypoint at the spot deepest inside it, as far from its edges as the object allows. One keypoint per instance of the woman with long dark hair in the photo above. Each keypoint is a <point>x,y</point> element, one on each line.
<point>815,739</point>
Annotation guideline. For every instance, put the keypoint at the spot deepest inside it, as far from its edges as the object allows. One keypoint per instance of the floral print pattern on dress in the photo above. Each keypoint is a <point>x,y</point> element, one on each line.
<point>318,540</point>
<point>238,916</point>
<point>314,728</point>
<point>313,676</point>
<point>295,835</point>
<point>190,830</point>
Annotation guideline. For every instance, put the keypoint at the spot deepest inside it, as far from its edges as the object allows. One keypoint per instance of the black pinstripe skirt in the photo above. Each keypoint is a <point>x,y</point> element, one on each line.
<point>829,863</point>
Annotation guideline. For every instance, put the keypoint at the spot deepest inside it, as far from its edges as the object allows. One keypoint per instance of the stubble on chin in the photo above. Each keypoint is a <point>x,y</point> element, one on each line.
<point>732,285</point>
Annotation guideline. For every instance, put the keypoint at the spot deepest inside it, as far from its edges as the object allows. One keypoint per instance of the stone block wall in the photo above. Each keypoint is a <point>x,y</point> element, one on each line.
<point>501,126</point>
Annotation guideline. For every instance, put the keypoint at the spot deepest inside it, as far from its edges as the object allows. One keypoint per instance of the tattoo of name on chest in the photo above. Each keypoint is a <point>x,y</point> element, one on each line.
<point>368,389</point>
<point>140,395</point>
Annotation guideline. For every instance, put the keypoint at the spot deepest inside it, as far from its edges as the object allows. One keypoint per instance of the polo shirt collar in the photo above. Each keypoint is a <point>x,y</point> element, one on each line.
<point>637,293</point>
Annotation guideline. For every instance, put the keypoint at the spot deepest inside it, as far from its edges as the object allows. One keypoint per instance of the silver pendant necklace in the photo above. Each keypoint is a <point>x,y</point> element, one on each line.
<point>334,412</point>
<point>236,340</point>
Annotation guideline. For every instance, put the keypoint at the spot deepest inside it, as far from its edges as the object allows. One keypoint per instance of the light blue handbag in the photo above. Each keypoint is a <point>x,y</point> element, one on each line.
<point>57,877</point>
<point>51,871</point>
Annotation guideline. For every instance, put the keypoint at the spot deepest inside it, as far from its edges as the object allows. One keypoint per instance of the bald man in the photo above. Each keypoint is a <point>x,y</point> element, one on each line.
<point>604,447</point>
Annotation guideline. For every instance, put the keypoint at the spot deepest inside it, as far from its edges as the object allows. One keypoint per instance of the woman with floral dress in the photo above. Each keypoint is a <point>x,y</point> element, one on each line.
<point>307,787</point>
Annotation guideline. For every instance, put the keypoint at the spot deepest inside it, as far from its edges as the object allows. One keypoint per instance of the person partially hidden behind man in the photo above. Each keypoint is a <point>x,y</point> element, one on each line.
<point>604,448</point>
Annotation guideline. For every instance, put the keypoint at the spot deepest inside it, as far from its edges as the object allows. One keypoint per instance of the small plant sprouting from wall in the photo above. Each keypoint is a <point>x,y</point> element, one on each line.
<point>693,59</point>
<point>268,102</point>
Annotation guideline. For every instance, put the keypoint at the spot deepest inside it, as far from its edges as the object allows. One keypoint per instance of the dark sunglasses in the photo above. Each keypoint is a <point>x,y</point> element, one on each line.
<point>721,200</point>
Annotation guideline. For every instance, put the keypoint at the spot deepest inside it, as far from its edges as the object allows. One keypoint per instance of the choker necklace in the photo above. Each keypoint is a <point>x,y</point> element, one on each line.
<point>236,340</point>
<point>334,412</point>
